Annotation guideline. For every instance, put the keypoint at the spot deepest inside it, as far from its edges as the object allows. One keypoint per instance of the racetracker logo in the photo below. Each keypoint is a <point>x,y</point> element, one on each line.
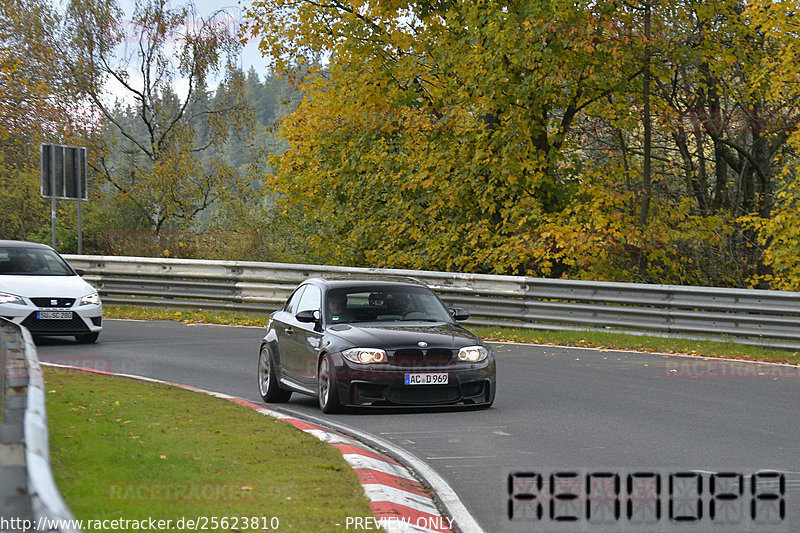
<point>99,364</point>
<point>149,492</point>
<point>688,369</point>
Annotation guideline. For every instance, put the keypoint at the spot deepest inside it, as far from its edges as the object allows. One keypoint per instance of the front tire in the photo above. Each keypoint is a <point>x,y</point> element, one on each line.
<point>327,389</point>
<point>268,379</point>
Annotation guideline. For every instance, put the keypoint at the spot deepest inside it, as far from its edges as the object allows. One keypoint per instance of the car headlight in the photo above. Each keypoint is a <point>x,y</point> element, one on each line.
<point>6,298</point>
<point>473,354</point>
<point>365,356</point>
<point>89,299</point>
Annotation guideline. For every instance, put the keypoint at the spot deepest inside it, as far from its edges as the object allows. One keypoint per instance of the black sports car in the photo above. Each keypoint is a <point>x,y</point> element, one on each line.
<point>373,342</point>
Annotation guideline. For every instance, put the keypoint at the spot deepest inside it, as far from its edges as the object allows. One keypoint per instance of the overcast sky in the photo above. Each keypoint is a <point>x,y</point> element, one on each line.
<point>250,56</point>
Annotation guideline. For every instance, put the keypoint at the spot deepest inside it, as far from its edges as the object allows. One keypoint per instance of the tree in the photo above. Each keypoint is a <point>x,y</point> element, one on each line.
<point>153,158</point>
<point>776,218</point>
<point>516,137</point>
<point>728,118</point>
<point>35,106</point>
<point>438,135</point>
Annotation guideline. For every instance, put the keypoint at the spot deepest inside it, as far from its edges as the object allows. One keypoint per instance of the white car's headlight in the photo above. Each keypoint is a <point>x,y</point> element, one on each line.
<point>6,298</point>
<point>365,356</point>
<point>89,299</point>
<point>473,354</point>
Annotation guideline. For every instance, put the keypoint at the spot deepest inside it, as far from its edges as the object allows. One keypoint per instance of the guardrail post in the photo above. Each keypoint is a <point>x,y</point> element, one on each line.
<point>670,319</point>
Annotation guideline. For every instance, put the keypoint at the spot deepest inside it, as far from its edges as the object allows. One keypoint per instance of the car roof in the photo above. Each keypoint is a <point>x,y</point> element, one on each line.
<point>23,244</point>
<point>360,280</point>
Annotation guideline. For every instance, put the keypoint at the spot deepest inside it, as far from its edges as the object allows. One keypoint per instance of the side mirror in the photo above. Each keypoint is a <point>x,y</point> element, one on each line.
<point>79,271</point>
<point>308,316</point>
<point>459,314</point>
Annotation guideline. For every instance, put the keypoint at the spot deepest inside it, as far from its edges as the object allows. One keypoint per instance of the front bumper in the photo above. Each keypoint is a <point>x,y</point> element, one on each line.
<point>379,385</point>
<point>85,319</point>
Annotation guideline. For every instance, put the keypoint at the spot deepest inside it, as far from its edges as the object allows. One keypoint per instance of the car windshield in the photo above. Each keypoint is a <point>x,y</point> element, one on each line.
<point>20,261</point>
<point>394,303</point>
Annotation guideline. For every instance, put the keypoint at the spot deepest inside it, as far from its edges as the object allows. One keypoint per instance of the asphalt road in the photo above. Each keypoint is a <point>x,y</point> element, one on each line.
<point>557,410</point>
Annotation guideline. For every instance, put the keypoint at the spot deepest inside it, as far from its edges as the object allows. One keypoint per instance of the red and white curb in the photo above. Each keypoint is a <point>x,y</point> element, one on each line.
<point>399,502</point>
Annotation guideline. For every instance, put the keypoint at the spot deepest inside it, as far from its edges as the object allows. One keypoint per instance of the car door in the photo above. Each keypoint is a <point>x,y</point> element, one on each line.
<point>284,324</point>
<point>308,336</point>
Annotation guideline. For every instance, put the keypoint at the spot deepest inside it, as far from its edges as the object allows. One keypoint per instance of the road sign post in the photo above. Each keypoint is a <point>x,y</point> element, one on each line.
<point>63,176</point>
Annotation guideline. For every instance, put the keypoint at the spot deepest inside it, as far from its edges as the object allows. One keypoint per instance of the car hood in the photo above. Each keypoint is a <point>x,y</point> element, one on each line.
<point>395,336</point>
<point>45,286</point>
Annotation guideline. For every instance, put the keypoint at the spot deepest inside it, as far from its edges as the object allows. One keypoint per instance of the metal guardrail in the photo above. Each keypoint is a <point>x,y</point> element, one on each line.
<point>28,492</point>
<point>749,316</point>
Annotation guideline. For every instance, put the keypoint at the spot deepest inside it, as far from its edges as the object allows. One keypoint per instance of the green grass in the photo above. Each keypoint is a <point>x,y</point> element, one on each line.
<point>123,449</point>
<point>594,339</point>
<point>190,316</point>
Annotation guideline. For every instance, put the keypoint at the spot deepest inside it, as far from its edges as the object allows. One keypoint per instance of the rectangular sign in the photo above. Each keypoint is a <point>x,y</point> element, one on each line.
<point>63,172</point>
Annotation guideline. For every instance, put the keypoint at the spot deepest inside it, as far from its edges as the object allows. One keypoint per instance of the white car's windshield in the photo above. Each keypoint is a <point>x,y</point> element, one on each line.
<point>21,261</point>
<point>406,303</point>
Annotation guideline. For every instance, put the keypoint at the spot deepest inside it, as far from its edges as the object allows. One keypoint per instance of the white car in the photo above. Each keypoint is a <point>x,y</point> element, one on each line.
<point>39,290</point>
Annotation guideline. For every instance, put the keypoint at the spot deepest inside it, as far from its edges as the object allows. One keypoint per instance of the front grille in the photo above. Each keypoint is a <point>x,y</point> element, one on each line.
<point>411,357</point>
<point>55,327</point>
<point>48,302</point>
<point>423,395</point>
<point>408,353</point>
<point>440,354</point>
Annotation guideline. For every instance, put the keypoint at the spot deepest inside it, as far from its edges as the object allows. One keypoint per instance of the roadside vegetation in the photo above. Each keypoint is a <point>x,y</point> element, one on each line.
<point>587,338</point>
<point>166,453</point>
<point>189,316</point>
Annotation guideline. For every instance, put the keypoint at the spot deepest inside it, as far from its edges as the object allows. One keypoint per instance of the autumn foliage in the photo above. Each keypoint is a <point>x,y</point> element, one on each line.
<point>645,140</point>
<point>507,137</point>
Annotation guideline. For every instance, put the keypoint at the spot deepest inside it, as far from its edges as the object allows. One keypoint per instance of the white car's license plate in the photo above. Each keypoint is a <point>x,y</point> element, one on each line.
<point>54,315</point>
<point>426,379</point>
